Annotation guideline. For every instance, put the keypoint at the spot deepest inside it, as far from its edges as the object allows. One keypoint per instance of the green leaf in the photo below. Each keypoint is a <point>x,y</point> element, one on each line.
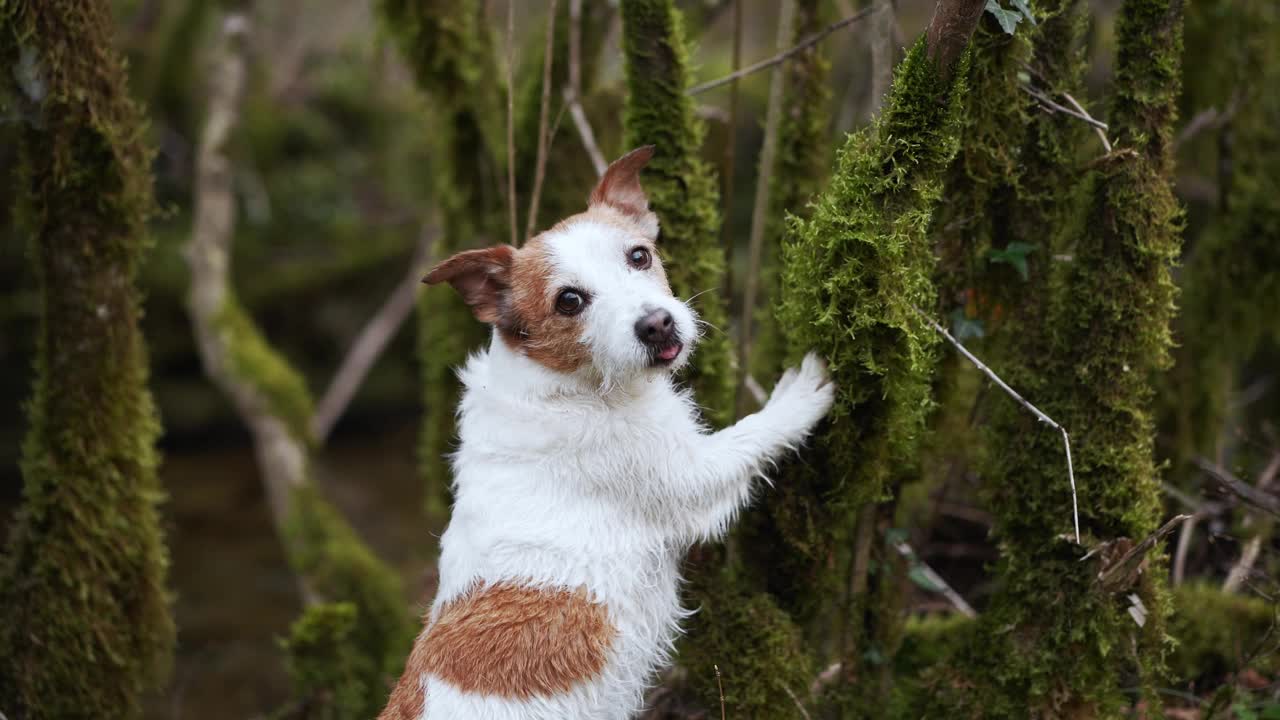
<point>1025,10</point>
<point>1008,19</point>
<point>1015,254</point>
<point>922,579</point>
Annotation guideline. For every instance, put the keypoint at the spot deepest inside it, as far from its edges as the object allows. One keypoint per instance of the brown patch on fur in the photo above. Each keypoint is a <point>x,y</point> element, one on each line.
<point>409,697</point>
<point>530,322</point>
<point>517,642</point>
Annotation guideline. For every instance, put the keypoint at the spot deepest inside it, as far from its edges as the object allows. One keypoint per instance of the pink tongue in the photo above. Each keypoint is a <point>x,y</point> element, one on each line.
<point>670,352</point>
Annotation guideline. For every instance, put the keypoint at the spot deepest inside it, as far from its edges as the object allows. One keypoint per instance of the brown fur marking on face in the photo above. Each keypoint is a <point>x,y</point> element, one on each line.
<point>409,696</point>
<point>530,322</point>
<point>517,642</point>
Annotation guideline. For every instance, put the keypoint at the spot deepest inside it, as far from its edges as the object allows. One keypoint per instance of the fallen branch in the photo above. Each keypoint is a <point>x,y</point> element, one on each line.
<point>1066,441</point>
<point>783,56</point>
<point>544,134</point>
<point>1243,490</point>
<point>371,342</point>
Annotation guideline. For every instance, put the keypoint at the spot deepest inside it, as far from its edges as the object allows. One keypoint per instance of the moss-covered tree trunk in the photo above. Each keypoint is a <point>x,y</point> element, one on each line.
<point>1083,341</point>
<point>682,188</point>
<point>450,49</point>
<point>333,565</point>
<point>84,618</point>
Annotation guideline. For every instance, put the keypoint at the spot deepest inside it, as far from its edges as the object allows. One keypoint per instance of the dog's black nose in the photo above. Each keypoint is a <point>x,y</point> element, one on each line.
<point>656,328</point>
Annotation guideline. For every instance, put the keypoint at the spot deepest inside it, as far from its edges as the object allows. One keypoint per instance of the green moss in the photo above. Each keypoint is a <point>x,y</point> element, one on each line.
<point>1082,341</point>
<point>336,565</point>
<point>681,187</point>
<point>1218,634</point>
<point>753,643</point>
<point>329,672</point>
<point>254,361</point>
<point>852,274</point>
<point>86,619</point>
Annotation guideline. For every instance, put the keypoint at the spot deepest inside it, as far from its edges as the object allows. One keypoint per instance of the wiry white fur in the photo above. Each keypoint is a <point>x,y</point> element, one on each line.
<point>601,478</point>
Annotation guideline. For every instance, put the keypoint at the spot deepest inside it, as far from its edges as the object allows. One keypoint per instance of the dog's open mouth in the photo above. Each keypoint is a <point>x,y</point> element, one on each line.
<point>666,354</point>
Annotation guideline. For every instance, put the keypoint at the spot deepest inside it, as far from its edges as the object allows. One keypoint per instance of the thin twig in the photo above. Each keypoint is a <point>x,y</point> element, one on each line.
<point>1066,442</point>
<point>757,391</point>
<point>799,706</point>
<point>1249,555</point>
<point>1246,492</point>
<point>511,121</point>
<point>721,686</point>
<point>1079,112</point>
<point>727,174</point>
<point>573,92</point>
<point>805,44</point>
<point>1185,535</point>
<point>544,134</point>
<point>760,210</point>
<point>371,342</point>
<point>1112,575</point>
<point>1106,144</point>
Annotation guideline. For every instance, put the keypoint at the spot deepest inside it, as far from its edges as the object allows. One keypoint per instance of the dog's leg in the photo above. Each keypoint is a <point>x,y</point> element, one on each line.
<point>718,481</point>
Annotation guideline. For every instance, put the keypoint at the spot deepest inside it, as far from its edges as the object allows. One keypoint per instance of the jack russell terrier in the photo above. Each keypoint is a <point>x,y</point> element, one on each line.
<point>583,475</point>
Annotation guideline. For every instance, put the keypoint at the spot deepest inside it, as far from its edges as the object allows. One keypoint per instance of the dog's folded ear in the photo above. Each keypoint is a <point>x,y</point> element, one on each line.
<point>620,188</point>
<point>481,277</point>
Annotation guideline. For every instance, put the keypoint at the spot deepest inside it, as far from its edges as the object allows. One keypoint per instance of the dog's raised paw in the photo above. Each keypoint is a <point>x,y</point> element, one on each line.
<point>803,395</point>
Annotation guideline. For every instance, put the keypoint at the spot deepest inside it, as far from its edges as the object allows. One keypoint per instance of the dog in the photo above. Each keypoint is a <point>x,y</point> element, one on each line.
<point>583,473</point>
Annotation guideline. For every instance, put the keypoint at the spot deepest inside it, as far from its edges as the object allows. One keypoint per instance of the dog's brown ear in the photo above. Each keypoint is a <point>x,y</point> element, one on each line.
<point>620,188</point>
<point>481,277</point>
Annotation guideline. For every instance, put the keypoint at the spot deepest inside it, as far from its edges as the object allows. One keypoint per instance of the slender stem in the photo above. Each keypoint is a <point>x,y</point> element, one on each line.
<point>511,121</point>
<point>760,211</point>
<point>781,57</point>
<point>573,93</point>
<point>1066,442</point>
<point>544,133</point>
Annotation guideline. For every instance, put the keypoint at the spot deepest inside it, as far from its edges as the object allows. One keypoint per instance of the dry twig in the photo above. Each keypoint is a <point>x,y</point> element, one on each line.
<point>760,210</point>
<point>371,342</point>
<point>1246,492</point>
<point>781,57</point>
<point>1249,555</point>
<point>573,92</point>
<point>511,120</point>
<point>1066,441</point>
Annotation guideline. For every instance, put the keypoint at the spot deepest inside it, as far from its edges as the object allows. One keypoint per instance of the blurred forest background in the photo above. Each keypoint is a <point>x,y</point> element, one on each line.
<point>1042,204</point>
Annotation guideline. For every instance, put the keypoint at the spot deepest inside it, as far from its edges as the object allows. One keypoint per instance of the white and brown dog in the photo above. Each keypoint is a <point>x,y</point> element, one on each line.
<point>583,476</point>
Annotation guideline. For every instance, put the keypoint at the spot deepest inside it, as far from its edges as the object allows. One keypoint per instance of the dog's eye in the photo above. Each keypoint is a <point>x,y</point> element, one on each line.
<point>640,258</point>
<point>570,302</point>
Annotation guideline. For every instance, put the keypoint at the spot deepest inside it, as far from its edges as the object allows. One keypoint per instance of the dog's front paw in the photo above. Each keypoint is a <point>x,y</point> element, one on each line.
<point>802,397</point>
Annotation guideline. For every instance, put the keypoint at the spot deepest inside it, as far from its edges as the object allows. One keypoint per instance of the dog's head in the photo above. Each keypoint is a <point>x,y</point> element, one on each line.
<point>588,295</point>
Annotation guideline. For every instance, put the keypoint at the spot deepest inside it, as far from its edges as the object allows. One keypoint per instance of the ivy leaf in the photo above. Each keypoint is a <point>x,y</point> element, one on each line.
<point>963,327</point>
<point>1015,254</point>
<point>922,579</point>
<point>1008,19</point>
<point>1025,10</point>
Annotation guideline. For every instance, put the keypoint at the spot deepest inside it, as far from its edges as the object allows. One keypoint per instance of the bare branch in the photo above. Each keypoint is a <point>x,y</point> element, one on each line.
<point>1066,442</point>
<point>544,133</point>
<point>760,211</point>
<point>573,93</point>
<point>953,23</point>
<point>511,121</point>
<point>1249,555</point>
<point>1246,492</point>
<point>371,342</point>
<point>1078,112</point>
<point>781,57</point>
